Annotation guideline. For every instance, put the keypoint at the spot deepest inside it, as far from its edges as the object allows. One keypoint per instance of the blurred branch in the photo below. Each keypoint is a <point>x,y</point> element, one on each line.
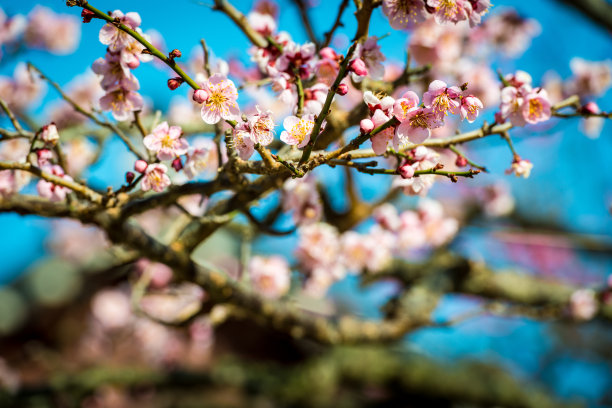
<point>339,376</point>
<point>307,23</point>
<point>600,11</point>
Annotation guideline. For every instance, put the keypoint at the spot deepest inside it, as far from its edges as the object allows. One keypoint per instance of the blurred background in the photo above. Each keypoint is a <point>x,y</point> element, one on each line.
<point>564,205</point>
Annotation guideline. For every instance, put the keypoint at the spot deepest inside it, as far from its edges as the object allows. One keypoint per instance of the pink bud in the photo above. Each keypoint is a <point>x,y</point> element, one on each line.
<point>591,108</point>
<point>177,164</point>
<point>140,166</point>
<point>44,155</point>
<point>200,96</point>
<point>174,54</point>
<point>342,89</point>
<point>406,171</point>
<point>134,63</point>
<point>174,83</point>
<point>461,161</point>
<point>366,125</point>
<point>129,177</point>
<point>49,133</point>
<point>328,53</point>
<point>499,119</point>
<point>358,67</point>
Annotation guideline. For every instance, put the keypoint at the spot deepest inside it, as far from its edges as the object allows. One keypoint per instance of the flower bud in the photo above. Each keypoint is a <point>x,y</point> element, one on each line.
<point>406,170</point>
<point>328,53</point>
<point>134,63</point>
<point>140,166</point>
<point>366,125</point>
<point>177,164</point>
<point>200,95</point>
<point>358,67</point>
<point>129,177</point>
<point>43,155</point>
<point>461,161</point>
<point>49,133</point>
<point>174,83</point>
<point>342,89</point>
<point>87,15</point>
<point>174,54</point>
<point>591,108</point>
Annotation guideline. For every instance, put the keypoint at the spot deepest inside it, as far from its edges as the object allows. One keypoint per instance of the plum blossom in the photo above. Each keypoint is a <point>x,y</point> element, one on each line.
<point>497,200</point>
<point>115,38</point>
<point>262,127</point>
<point>416,127</point>
<point>298,130</point>
<point>589,78</point>
<point>112,309</point>
<point>202,157</point>
<point>380,141</point>
<point>319,245</point>
<point>470,107</point>
<point>370,251</point>
<point>369,53</point>
<point>583,304</point>
<point>450,11</point>
<point>508,32</point>
<point>271,276</point>
<point>221,102</point>
<point>243,140</point>
<point>536,106</point>
<point>297,57</point>
<point>155,178</point>
<point>442,99</point>
<point>422,158</point>
<point>12,181</point>
<point>404,14</point>
<point>57,33</point>
<point>263,23</point>
<point>520,167</point>
<point>166,141</point>
<point>23,89</point>
<point>300,195</point>
<point>314,98</point>
<point>122,101</point>
<point>50,190</point>
<point>114,72</point>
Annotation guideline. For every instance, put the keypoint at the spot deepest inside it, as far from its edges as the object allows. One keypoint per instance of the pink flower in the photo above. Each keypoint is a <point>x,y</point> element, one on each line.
<point>201,158</point>
<point>302,197</point>
<point>113,72</point>
<point>371,251</point>
<point>243,140</point>
<point>300,57</point>
<point>374,102</point>
<point>49,134</point>
<point>511,104</point>
<point>271,277</point>
<point>387,217</point>
<point>314,98</point>
<point>112,308</point>
<point>155,178</point>
<point>583,304</point>
<point>166,141</point>
<point>536,107</point>
<point>404,14</point>
<point>451,11</point>
<point>52,191</point>
<point>262,127</point>
<point>470,105</point>
<point>416,127</point>
<point>318,246</point>
<point>11,181</point>
<point>366,126</point>
<point>115,38</point>
<point>122,101</point>
<point>403,105</point>
<point>442,99</point>
<point>221,103</point>
<point>57,33</point>
<point>264,24</point>
<point>520,167</point>
<point>590,78</point>
<point>380,141</point>
<point>298,131</point>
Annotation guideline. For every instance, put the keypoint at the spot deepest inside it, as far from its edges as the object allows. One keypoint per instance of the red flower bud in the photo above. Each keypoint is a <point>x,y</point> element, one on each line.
<point>406,171</point>
<point>177,164</point>
<point>174,54</point>
<point>328,53</point>
<point>174,83</point>
<point>591,108</point>
<point>129,177</point>
<point>140,166</point>
<point>461,161</point>
<point>87,15</point>
<point>358,67</point>
<point>342,89</point>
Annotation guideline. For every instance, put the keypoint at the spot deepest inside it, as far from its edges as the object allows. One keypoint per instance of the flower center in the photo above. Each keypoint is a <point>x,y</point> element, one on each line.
<point>535,108</point>
<point>302,129</point>
<point>419,120</point>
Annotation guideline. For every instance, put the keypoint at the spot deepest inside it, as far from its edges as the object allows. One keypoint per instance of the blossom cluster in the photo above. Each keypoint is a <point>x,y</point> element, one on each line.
<point>415,120</point>
<point>522,104</point>
<point>326,255</point>
<point>405,14</point>
<point>123,54</point>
